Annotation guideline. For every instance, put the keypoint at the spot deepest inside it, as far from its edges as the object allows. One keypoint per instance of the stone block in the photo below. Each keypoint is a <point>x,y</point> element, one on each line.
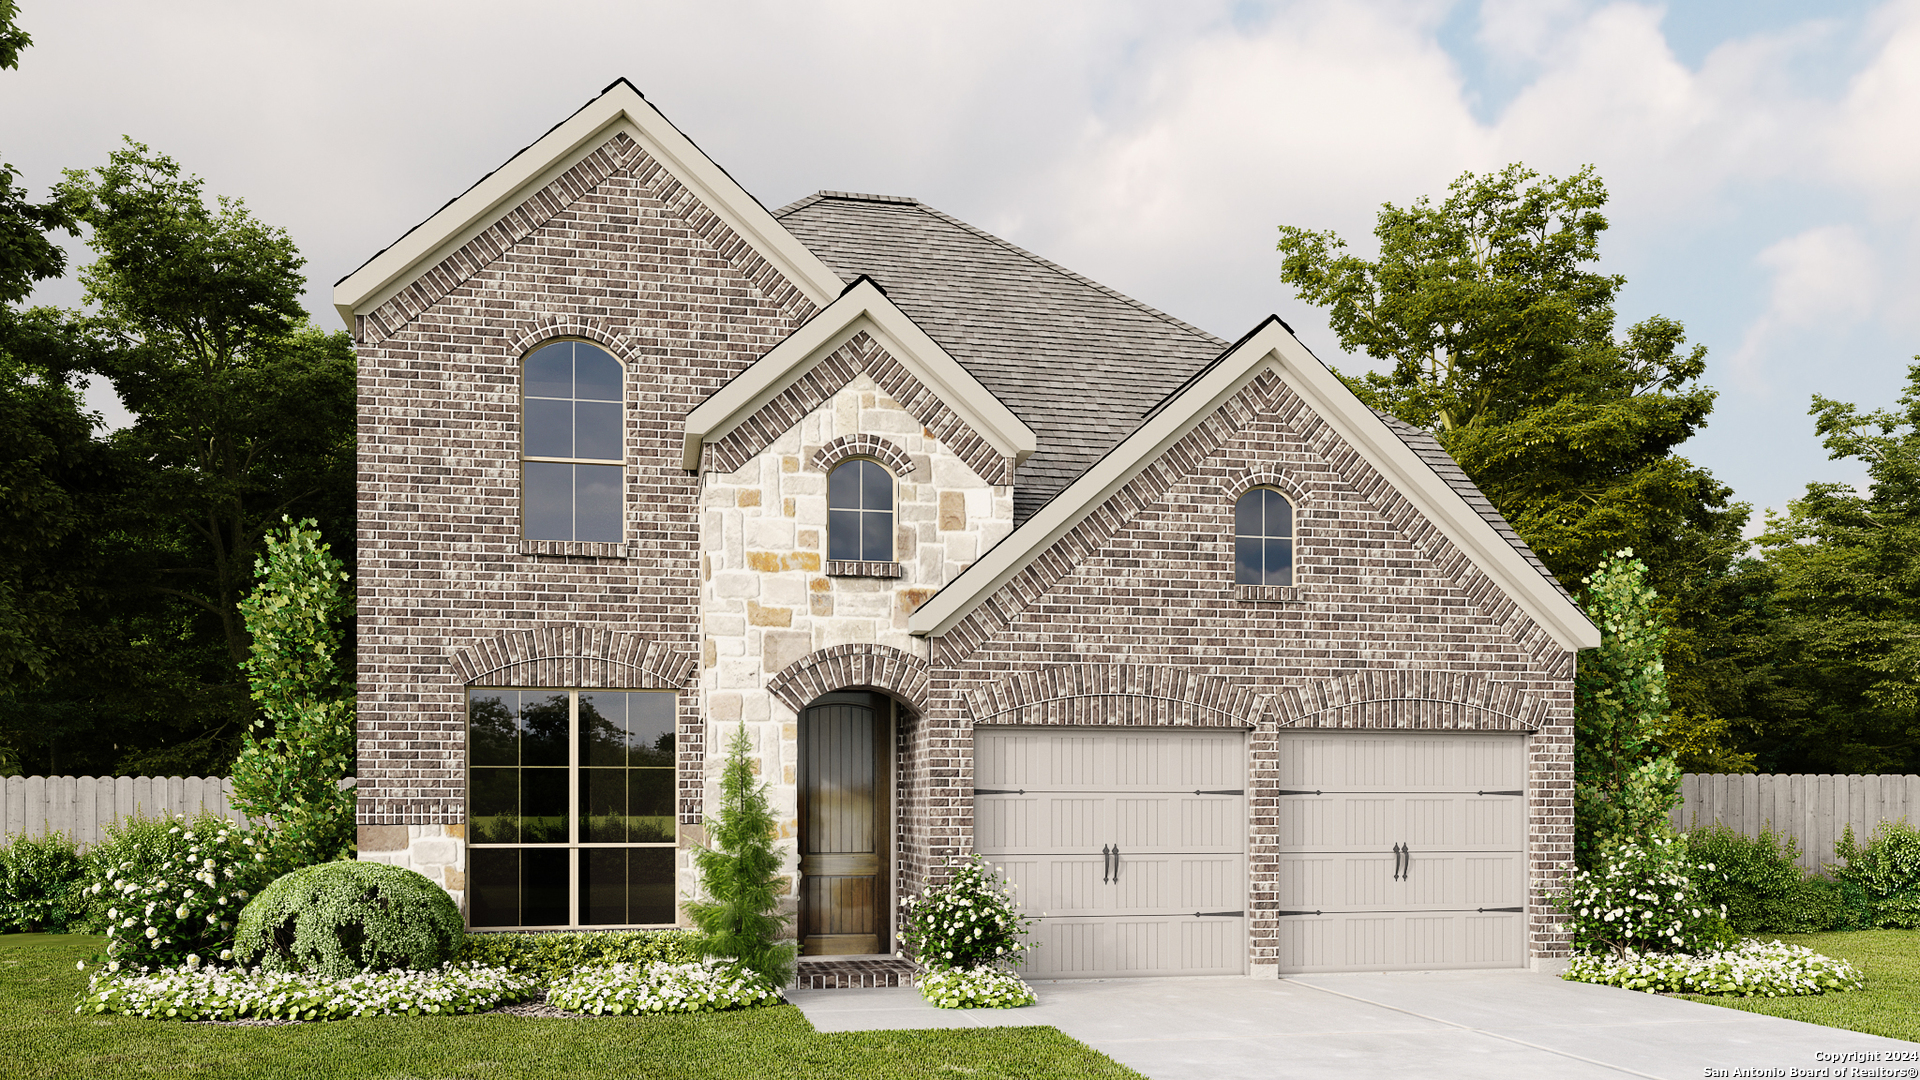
<point>749,496</point>
<point>740,583</point>
<point>723,707</point>
<point>782,647</point>
<point>454,880</point>
<point>436,851</point>
<point>953,510</point>
<point>768,616</point>
<point>383,838</point>
<point>764,562</point>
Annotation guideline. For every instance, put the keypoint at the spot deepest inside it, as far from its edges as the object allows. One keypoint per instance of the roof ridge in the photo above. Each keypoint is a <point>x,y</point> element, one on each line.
<point>851,196</point>
<point>1081,278</point>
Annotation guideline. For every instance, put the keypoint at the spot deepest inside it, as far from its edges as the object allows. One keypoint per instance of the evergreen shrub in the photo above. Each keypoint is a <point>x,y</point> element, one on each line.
<point>552,955</point>
<point>42,886</point>
<point>741,874</point>
<point>1887,870</point>
<point>342,918</point>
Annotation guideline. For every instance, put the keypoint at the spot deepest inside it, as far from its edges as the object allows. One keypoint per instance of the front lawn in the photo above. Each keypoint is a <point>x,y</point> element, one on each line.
<point>40,1037</point>
<point>1891,961</point>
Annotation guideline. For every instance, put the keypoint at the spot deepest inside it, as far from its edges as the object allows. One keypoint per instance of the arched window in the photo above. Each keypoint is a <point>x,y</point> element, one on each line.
<point>572,445</point>
<point>1263,539</point>
<point>860,512</point>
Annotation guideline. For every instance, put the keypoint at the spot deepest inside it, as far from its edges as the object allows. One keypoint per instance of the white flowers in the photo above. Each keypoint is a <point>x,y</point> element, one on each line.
<point>974,988</point>
<point>1749,969</point>
<point>199,993</point>
<point>660,987</point>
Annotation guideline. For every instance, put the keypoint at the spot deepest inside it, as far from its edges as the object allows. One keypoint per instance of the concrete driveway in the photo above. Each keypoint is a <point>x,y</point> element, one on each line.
<point>1482,1025</point>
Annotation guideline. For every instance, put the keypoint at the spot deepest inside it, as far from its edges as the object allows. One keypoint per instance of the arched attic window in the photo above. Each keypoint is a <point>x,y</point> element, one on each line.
<point>1263,538</point>
<point>572,444</point>
<point>860,512</point>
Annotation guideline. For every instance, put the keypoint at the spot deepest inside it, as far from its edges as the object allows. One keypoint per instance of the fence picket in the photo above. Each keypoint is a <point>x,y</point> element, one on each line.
<point>1814,810</point>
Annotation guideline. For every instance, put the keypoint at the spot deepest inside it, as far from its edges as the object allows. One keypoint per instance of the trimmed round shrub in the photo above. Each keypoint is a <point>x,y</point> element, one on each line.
<point>342,918</point>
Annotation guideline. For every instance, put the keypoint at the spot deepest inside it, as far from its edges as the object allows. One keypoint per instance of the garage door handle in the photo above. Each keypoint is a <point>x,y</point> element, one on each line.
<point>1106,862</point>
<point>1398,851</point>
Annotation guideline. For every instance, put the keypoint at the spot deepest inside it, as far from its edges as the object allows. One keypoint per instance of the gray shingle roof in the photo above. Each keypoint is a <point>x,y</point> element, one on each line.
<point>1038,336</point>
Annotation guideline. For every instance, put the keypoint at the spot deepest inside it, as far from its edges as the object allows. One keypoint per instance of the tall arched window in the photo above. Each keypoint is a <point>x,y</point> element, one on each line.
<point>860,512</point>
<point>572,446</point>
<point>1263,539</point>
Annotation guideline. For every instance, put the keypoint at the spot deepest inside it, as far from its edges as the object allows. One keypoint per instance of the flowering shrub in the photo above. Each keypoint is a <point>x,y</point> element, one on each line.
<point>974,988</point>
<point>195,992</point>
<point>626,989</point>
<point>182,910</point>
<point>1641,897</point>
<point>969,922</point>
<point>1749,969</point>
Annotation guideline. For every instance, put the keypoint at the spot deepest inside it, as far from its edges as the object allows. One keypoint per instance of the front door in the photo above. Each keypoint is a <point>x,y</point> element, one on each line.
<point>845,825</point>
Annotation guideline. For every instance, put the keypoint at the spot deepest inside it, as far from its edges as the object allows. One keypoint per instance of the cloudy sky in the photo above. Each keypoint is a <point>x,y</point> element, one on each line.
<point>1764,161</point>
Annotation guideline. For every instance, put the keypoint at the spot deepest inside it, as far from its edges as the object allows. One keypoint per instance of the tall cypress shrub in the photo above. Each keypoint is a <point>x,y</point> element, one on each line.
<point>1623,787</point>
<point>741,875</point>
<point>294,757</point>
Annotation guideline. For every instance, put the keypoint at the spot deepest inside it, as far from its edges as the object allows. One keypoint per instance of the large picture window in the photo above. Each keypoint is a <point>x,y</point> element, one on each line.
<point>1263,539</point>
<point>570,805</point>
<point>860,512</point>
<point>572,445</point>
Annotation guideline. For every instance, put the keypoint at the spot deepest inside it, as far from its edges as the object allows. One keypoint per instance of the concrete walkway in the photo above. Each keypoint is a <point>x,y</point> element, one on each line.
<point>1482,1025</point>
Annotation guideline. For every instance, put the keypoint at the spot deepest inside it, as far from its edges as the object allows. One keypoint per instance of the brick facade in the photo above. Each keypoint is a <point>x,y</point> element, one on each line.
<point>720,588</point>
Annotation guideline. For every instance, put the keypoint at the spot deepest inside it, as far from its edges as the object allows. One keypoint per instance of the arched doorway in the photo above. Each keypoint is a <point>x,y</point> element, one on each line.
<point>846,781</point>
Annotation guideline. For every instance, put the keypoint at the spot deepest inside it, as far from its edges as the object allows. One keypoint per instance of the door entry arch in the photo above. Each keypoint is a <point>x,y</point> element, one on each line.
<point>846,780</point>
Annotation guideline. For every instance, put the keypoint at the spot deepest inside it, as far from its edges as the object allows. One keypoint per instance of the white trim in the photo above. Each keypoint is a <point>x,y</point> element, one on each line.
<point>862,307</point>
<point>620,108</point>
<point>1270,348</point>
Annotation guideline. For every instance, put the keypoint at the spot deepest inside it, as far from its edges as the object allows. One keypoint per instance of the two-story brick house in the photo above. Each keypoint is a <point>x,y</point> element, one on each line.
<point>1228,672</point>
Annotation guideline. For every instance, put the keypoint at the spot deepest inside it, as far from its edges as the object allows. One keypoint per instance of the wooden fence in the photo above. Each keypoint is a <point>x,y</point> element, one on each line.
<point>1813,809</point>
<point>83,806</point>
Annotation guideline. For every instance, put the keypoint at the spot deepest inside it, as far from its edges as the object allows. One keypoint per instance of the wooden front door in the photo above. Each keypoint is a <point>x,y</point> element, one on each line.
<point>846,826</point>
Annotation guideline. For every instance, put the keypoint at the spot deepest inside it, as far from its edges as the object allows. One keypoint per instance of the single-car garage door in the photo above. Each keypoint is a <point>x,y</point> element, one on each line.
<point>1127,844</point>
<point>1401,850</point>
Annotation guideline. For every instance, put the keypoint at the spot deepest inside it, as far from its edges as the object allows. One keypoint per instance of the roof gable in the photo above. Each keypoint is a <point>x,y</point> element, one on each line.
<point>861,308</point>
<point>619,109</point>
<point>1272,347</point>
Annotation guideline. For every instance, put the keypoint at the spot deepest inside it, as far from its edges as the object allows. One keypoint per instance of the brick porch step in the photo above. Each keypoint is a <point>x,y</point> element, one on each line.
<point>852,972</point>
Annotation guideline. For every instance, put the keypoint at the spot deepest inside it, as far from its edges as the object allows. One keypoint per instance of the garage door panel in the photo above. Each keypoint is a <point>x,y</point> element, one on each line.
<point>1351,761</point>
<point>1340,881</point>
<point>1118,947</point>
<point>1381,941</point>
<point>1340,821</point>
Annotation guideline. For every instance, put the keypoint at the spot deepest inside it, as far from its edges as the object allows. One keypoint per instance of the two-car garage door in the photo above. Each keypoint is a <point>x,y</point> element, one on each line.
<point>1129,845</point>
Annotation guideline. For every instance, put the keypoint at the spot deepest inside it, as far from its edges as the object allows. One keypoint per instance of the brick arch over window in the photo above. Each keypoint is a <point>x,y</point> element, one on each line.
<point>866,446</point>
<point>575,657</point>
<point>549,327</point>
<point>1118,694</point>
<point>1240,483</point>
<point>1412,699</point>
<point>853,667</point>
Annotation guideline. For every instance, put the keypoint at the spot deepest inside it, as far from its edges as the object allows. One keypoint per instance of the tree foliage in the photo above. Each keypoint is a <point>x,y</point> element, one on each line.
<point>1623,786</point>
<point>293,758</point>
<point>740,872</point>
<point>1500,338</point>
<point>243,414</point>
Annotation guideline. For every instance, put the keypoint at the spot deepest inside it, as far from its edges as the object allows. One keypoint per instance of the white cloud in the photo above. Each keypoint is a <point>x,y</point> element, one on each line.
<point>1824,275</point>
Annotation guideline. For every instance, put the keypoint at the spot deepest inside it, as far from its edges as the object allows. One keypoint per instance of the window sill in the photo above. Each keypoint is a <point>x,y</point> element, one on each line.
<point>1269,594</point>
<point>856,568</point>
<point>578,549</point>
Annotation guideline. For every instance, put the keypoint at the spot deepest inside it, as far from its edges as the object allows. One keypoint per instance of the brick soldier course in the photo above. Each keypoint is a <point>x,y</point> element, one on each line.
<point>1067,463</point>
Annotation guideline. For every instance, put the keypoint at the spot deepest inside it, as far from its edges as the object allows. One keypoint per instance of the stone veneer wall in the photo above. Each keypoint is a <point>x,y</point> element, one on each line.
<point>614,251</point>
<point>767,596</point>
<point>1147,582</point>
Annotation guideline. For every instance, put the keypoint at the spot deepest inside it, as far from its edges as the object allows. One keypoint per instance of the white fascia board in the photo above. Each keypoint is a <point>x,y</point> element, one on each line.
<point>620,107</point>
<point>1271,347</point>
<point>861,307</point>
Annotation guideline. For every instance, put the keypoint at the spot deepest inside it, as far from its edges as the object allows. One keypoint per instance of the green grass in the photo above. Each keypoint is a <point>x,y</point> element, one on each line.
<point>1891,961</point>
<point>41,1038</point>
